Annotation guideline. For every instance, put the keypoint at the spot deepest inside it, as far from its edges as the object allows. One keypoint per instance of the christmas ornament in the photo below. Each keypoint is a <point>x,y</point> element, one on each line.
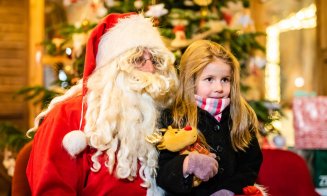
<point>180,38</point>
<point>178,22</point>
<point>188,3</point>
<point>69,52</point>
<point>101,11</point>
<point>216,25</point>
<point>79,40</point>
<point>68,2</point>
<point>138,4</point>
<point>227,17</point>
<point>75,80</point>
<point>231,10</point>
<point>68,69</point>
<point>77,24</point>
<point>257,61</point>
<point>203,2</point>
<point>179,31</point>
<point>156,10</point>
<point>233,7</point>
<point>245,21</point>
<point>57,41</point>
<point>85,23</point>
<point>279,141</point>
<point>110,3</point>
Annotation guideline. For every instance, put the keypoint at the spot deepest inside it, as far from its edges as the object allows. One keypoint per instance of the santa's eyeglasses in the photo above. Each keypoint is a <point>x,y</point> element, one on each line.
<point>141,61</point>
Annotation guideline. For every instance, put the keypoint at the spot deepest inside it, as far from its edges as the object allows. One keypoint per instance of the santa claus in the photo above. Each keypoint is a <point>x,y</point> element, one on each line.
<point>91,140</point>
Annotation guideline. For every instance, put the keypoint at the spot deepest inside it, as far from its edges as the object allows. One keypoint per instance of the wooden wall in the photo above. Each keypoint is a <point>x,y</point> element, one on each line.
<point>14,51</point>
<point>320,84</point>
<point>14,55</point>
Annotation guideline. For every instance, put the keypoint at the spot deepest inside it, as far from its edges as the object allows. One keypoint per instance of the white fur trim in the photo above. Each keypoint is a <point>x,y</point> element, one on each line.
<point>128,33</point>
<point>262,189</point>
<point>74,142</point>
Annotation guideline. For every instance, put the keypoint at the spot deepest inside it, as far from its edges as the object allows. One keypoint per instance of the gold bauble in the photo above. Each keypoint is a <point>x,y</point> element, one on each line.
<point>202,2</point>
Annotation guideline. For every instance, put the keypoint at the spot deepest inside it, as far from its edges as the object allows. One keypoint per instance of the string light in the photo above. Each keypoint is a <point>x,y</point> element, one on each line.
<point>299,82</point>
<point>304,19</point>
<point>68,51</point>
<point>38,57</point>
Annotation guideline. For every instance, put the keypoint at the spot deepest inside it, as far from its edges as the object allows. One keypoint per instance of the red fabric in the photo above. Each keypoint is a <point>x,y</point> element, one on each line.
<point>93,42</point>
<point>251,191</point>
<point>51,171</point>
<point>20,185</point>
<point>284,173</point>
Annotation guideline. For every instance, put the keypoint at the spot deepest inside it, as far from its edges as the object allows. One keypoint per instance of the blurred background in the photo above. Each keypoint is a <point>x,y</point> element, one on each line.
<point>281,46</point>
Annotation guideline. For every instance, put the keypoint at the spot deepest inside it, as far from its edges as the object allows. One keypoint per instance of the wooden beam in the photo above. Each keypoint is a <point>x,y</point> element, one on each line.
<point>36,36</point>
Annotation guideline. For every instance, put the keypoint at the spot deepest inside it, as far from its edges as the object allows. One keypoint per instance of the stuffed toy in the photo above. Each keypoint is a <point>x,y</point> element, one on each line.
<point>183,141</point>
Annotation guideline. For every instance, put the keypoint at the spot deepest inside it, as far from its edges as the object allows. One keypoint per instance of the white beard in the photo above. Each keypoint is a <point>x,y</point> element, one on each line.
<point>120,115</point>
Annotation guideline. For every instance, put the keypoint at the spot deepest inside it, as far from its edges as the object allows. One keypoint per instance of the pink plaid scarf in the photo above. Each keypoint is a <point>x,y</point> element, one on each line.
<point>214,106</point>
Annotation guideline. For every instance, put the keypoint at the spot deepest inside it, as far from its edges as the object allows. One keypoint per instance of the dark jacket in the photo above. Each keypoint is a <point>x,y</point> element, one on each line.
<point>236,169</point>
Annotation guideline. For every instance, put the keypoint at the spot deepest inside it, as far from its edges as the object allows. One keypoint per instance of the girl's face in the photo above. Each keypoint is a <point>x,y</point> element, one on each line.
<point>214,81</point>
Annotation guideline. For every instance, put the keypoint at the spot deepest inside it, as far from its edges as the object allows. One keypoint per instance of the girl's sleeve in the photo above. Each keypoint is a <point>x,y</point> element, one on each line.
<point>248,166</point>
<point>50,170</point>
<point>170,173</point>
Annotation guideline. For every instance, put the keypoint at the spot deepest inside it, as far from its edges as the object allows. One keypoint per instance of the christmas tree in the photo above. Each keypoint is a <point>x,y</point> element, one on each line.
<point>227,22</point>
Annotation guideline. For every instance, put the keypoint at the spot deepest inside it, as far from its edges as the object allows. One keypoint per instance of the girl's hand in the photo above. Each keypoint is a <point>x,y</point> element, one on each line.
<point>223,192</point>
<point>202,166</point>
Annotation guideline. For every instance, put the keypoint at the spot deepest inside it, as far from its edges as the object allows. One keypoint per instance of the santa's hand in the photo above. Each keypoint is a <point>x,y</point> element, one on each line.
<point>202,166</point>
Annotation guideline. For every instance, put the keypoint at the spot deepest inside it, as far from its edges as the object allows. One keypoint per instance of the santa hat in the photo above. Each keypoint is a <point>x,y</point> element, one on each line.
<point>116,34</point>
<point>113,36</point>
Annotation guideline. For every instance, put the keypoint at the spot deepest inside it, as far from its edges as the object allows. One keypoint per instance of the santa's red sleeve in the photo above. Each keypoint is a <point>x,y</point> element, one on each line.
<point>51,170</point>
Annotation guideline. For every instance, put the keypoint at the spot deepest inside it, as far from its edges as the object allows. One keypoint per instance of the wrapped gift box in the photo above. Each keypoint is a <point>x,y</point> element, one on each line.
<point>310,122</point>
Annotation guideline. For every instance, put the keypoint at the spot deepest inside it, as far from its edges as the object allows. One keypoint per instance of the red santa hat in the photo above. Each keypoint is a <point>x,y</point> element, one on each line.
<point>116,34</point>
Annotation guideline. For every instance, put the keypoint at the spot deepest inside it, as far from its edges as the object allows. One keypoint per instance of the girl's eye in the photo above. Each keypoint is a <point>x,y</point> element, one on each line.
<point>208,79</point>
<point>225,80</point>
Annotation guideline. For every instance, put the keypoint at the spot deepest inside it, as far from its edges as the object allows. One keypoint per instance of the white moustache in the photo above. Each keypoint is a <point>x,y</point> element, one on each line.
<point>156,85</point>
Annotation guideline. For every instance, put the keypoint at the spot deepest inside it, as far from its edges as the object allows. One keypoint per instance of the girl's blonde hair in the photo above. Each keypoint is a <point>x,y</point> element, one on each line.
<point>196,57</point>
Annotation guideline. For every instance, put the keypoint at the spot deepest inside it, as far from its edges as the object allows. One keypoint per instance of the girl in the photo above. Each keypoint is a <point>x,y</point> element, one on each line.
<point>209,98</point>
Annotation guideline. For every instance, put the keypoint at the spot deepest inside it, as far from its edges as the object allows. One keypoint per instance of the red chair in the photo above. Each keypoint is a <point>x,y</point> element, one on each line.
<point>20,186</point>
<point>285,173</point>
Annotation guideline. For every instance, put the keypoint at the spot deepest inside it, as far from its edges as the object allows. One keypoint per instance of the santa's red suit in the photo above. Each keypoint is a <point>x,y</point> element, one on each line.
<point>55,172</point>
<point>70,156</point>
